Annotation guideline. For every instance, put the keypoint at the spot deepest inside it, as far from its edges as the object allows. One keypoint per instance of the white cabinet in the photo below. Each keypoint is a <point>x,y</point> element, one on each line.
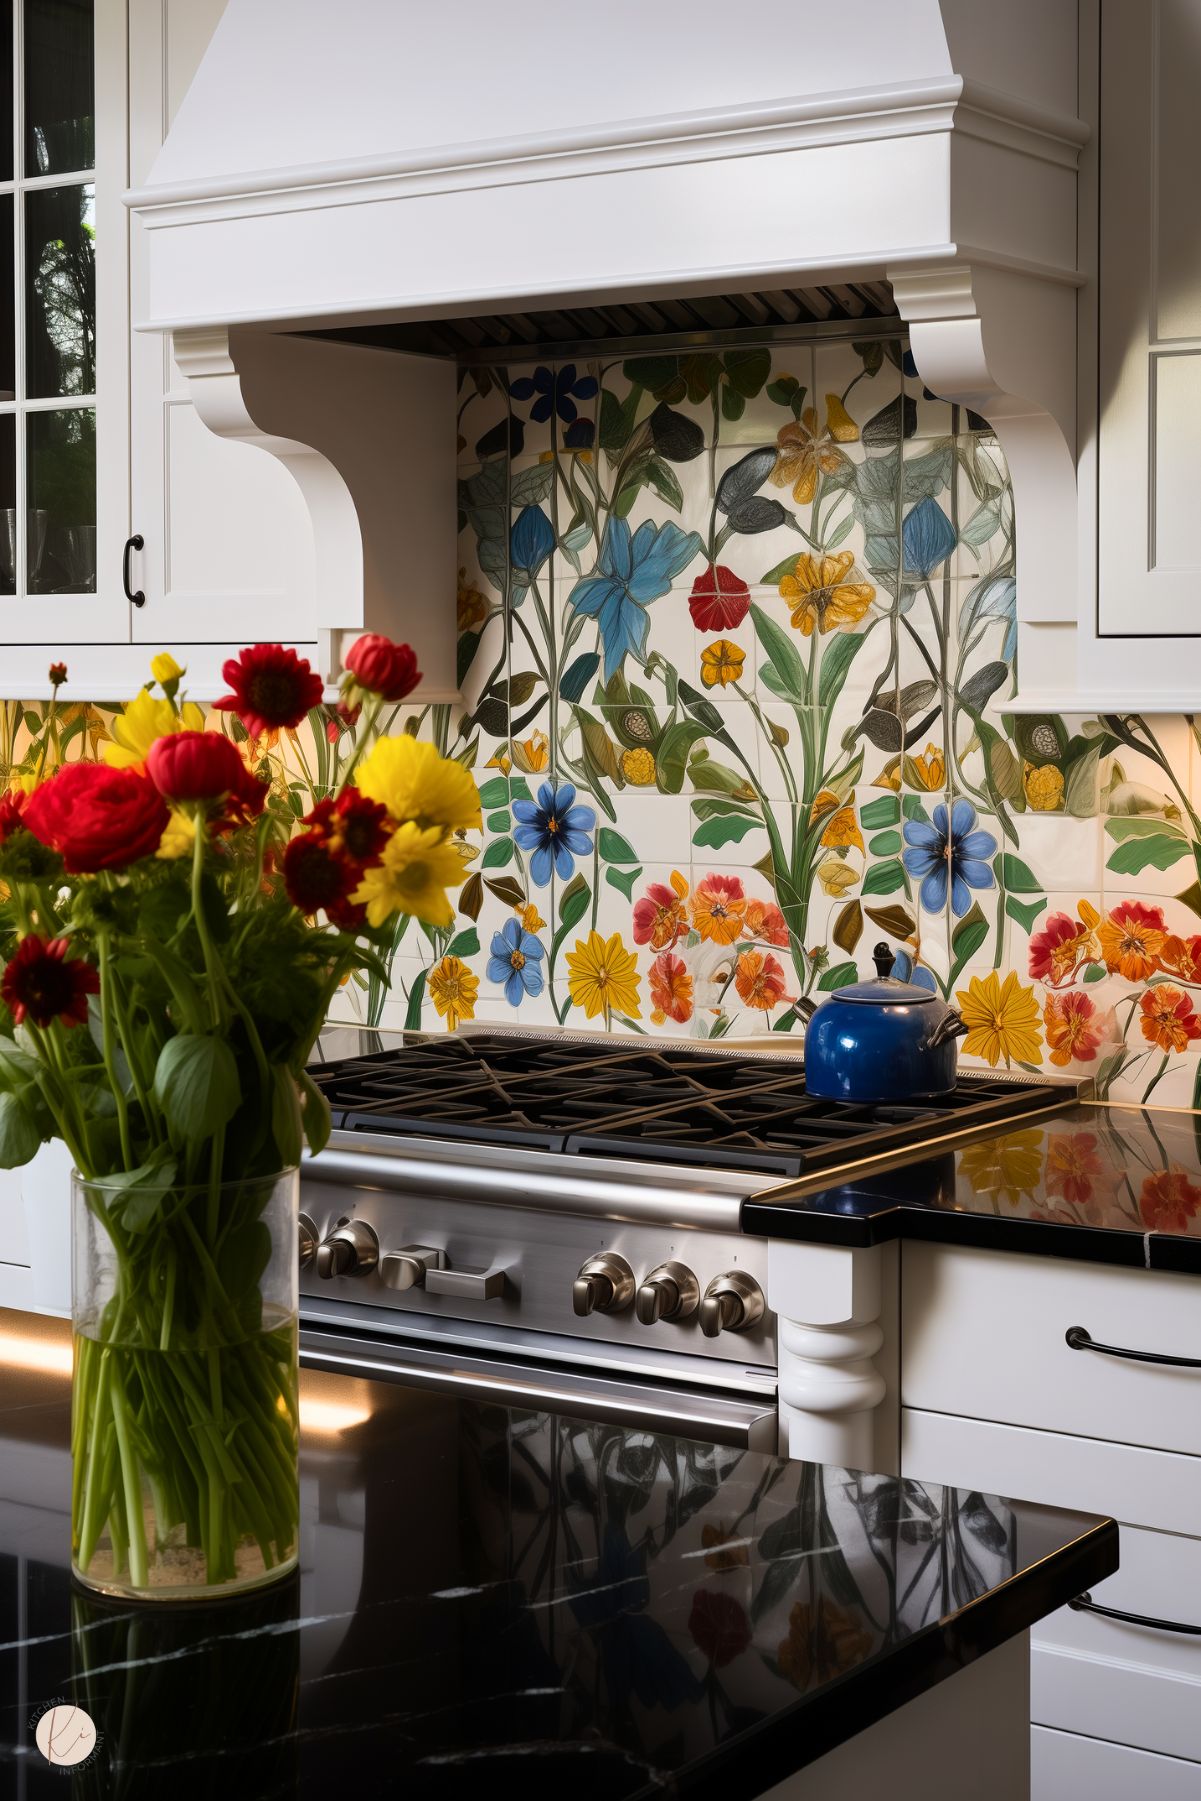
<point>228,541</point>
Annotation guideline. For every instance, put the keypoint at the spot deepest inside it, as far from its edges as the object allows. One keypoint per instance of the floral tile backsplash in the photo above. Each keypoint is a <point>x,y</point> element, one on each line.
<point>737,630</point>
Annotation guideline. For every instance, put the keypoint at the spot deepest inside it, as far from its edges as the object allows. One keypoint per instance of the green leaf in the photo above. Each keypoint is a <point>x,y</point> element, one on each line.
<point>967,938</point>
<point>498,853</point>
<point>665,483</point>
<point>835,666</point>
<point>196,1085</point>
<point>1159,851</point>
<point>1017,876</point>
<point>614,848</point>
<point>897,921</point>
<point>1095,972</point>
<point>506,888</point>
<point>882,812</point>
<point>495,793</point>
<point>775,575</point>
<point>747,370</point>
<point>573,902</point>
<point>884,878</point>
<point>1127,827</point>
<point>286,1126</point>
<point>623,880</point>
<point>885,844</point>
<point>727,830</point>
<point>19,1136</point>
<point>416,994</point>
<point>839,975</point>
<point>498,822</point>
<point>314,1114</point>
<point>464,944</point>
<point>1024,912</point>
<point>783,654</point>
<point>912,808</point>
<point>848,927</point>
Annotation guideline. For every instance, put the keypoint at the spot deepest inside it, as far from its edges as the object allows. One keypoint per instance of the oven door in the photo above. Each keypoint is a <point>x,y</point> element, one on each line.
<point>677,1409</point>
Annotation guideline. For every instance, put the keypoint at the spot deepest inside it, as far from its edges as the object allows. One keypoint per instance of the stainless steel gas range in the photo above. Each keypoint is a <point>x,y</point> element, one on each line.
<point>554,1218</point>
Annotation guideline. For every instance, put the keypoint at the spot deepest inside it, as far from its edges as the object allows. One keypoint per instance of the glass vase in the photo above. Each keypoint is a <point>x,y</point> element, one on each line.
<point>184,1420</point>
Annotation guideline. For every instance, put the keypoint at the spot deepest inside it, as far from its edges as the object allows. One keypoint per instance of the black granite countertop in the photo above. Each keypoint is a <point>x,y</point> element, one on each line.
<point>484,1592</point>
<point>1102,1183</point>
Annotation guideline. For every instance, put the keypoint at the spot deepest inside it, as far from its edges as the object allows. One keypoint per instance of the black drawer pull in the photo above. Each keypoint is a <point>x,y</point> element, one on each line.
<point>137,542</point>
<point>1085,1604</point>
<point>1078,1339</point>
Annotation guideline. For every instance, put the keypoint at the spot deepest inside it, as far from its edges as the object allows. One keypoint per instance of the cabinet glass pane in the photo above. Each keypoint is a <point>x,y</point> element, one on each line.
<point>60,131</point>
<point>6,91</point>
<point>60,291</point>
<point>61,483</point>
<point>8,298</point>
<point>8,503</point>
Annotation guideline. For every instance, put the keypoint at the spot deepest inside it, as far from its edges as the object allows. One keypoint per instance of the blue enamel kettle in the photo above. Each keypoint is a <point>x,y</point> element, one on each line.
<point>879,1041</point>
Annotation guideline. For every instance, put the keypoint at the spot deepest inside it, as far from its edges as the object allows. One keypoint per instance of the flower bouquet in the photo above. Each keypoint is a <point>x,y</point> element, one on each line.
<point>171,943</point>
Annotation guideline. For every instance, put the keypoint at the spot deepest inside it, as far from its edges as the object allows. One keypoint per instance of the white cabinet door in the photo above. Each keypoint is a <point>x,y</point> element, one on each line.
<point>228,554</point>
<point>1149,326</point>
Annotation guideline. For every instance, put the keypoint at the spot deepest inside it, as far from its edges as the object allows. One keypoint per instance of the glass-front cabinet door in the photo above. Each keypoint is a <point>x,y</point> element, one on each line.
<point>64,501</point>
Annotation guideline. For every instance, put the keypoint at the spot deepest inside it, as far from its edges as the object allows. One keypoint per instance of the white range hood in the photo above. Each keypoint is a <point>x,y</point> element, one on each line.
<point>338,165</point>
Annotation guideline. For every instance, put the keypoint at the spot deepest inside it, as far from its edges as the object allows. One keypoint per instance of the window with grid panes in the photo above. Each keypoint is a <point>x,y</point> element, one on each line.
<point>47,299</point>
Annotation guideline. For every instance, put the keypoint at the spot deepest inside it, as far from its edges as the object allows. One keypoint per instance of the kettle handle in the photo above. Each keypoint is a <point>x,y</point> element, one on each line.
<point>951,1025</point>
<point>883,959</point>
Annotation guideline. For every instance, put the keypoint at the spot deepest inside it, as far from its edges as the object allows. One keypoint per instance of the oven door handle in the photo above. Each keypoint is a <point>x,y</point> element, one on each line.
<point>747,1421</point>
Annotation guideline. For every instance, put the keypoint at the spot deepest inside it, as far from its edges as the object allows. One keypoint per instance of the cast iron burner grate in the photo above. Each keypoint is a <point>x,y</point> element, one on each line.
<point>712,1109</point>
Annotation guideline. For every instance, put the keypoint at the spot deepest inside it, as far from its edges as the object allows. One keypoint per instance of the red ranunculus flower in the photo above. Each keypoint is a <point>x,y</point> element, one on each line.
<point>381,667</point>
<point>97,817</point>
<point>43,984</point>
<point>352,824</point>
<point>720,600</point>
<point>12,806</point>
<point>272,688</point>
<point>719,1627</point>
<point>195,766</point>
<point>317,877</point>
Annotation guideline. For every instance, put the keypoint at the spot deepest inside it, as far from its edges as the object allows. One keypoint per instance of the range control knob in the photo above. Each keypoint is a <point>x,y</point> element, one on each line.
<point>671,1291</point>
<point>732,1303</point>
<point>605,1284</point>
<point>308,1240</point>
<point>407,1267</point>
<point>352,1249</point>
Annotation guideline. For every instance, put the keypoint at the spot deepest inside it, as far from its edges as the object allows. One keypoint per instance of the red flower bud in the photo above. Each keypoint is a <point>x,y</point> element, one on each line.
<point>381,667</point>
<point>195,766</point>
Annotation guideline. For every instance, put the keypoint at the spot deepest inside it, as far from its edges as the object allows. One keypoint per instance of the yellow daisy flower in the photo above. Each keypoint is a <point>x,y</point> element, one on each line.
<point>721,663</point>
<point>1002,1020</point>
<point>453,989</point>
<point>144,720</point>
<point>417,867</point>
<point>820,597</point>
<point>415,783</point>
<point>602,976</point>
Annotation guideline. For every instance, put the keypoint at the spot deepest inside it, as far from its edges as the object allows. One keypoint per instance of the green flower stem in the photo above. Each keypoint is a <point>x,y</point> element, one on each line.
<point>362,738</point>
<point>104,945</point>
<point>132,1488</point>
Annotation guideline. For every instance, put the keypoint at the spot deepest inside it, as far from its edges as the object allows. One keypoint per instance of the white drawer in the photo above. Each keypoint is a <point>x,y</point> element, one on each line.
<point>1064,1767</point>
<point>983,1335</point>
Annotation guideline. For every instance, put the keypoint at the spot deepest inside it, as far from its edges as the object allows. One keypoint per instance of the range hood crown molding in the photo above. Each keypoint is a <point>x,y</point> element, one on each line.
<point>949,170</point>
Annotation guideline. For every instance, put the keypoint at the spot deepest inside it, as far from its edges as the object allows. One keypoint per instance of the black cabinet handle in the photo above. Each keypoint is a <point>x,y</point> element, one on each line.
<point>1085,1604</point>
<point>1079,1340</point>
<point>137,542</point>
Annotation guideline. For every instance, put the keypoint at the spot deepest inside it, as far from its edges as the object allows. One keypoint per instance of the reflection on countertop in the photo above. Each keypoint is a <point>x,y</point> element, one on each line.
<point>1095,1181</point>
<point>619,1610</point>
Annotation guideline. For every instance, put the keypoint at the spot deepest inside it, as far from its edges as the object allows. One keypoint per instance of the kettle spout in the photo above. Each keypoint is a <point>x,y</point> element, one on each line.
<point>951,1025</point>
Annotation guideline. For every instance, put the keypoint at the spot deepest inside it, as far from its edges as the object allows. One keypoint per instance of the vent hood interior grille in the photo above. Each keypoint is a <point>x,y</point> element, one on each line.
<point>499,334</point>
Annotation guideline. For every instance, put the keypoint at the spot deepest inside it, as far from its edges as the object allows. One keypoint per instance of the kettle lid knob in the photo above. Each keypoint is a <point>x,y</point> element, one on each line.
<point>883,959</point>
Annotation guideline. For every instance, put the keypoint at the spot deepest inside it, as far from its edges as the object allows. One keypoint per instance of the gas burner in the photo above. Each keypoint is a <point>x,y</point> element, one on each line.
<point>721,1109</point>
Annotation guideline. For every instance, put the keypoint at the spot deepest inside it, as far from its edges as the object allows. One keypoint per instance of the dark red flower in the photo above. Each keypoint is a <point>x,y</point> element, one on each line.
<point>317,877</point>
<point>352,824</point>
<point>381,667</point>
<point>12,806</point>
<point>57,674</point>
<point>719,1627</point>
<point>43,984</point>
<point>97,817</point>
<point>341,718</point>
<point>720,600</point>
<point>346,915</point>
<point>273,688</point>
<point>196,766</point>
<point>1168,1201</point>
